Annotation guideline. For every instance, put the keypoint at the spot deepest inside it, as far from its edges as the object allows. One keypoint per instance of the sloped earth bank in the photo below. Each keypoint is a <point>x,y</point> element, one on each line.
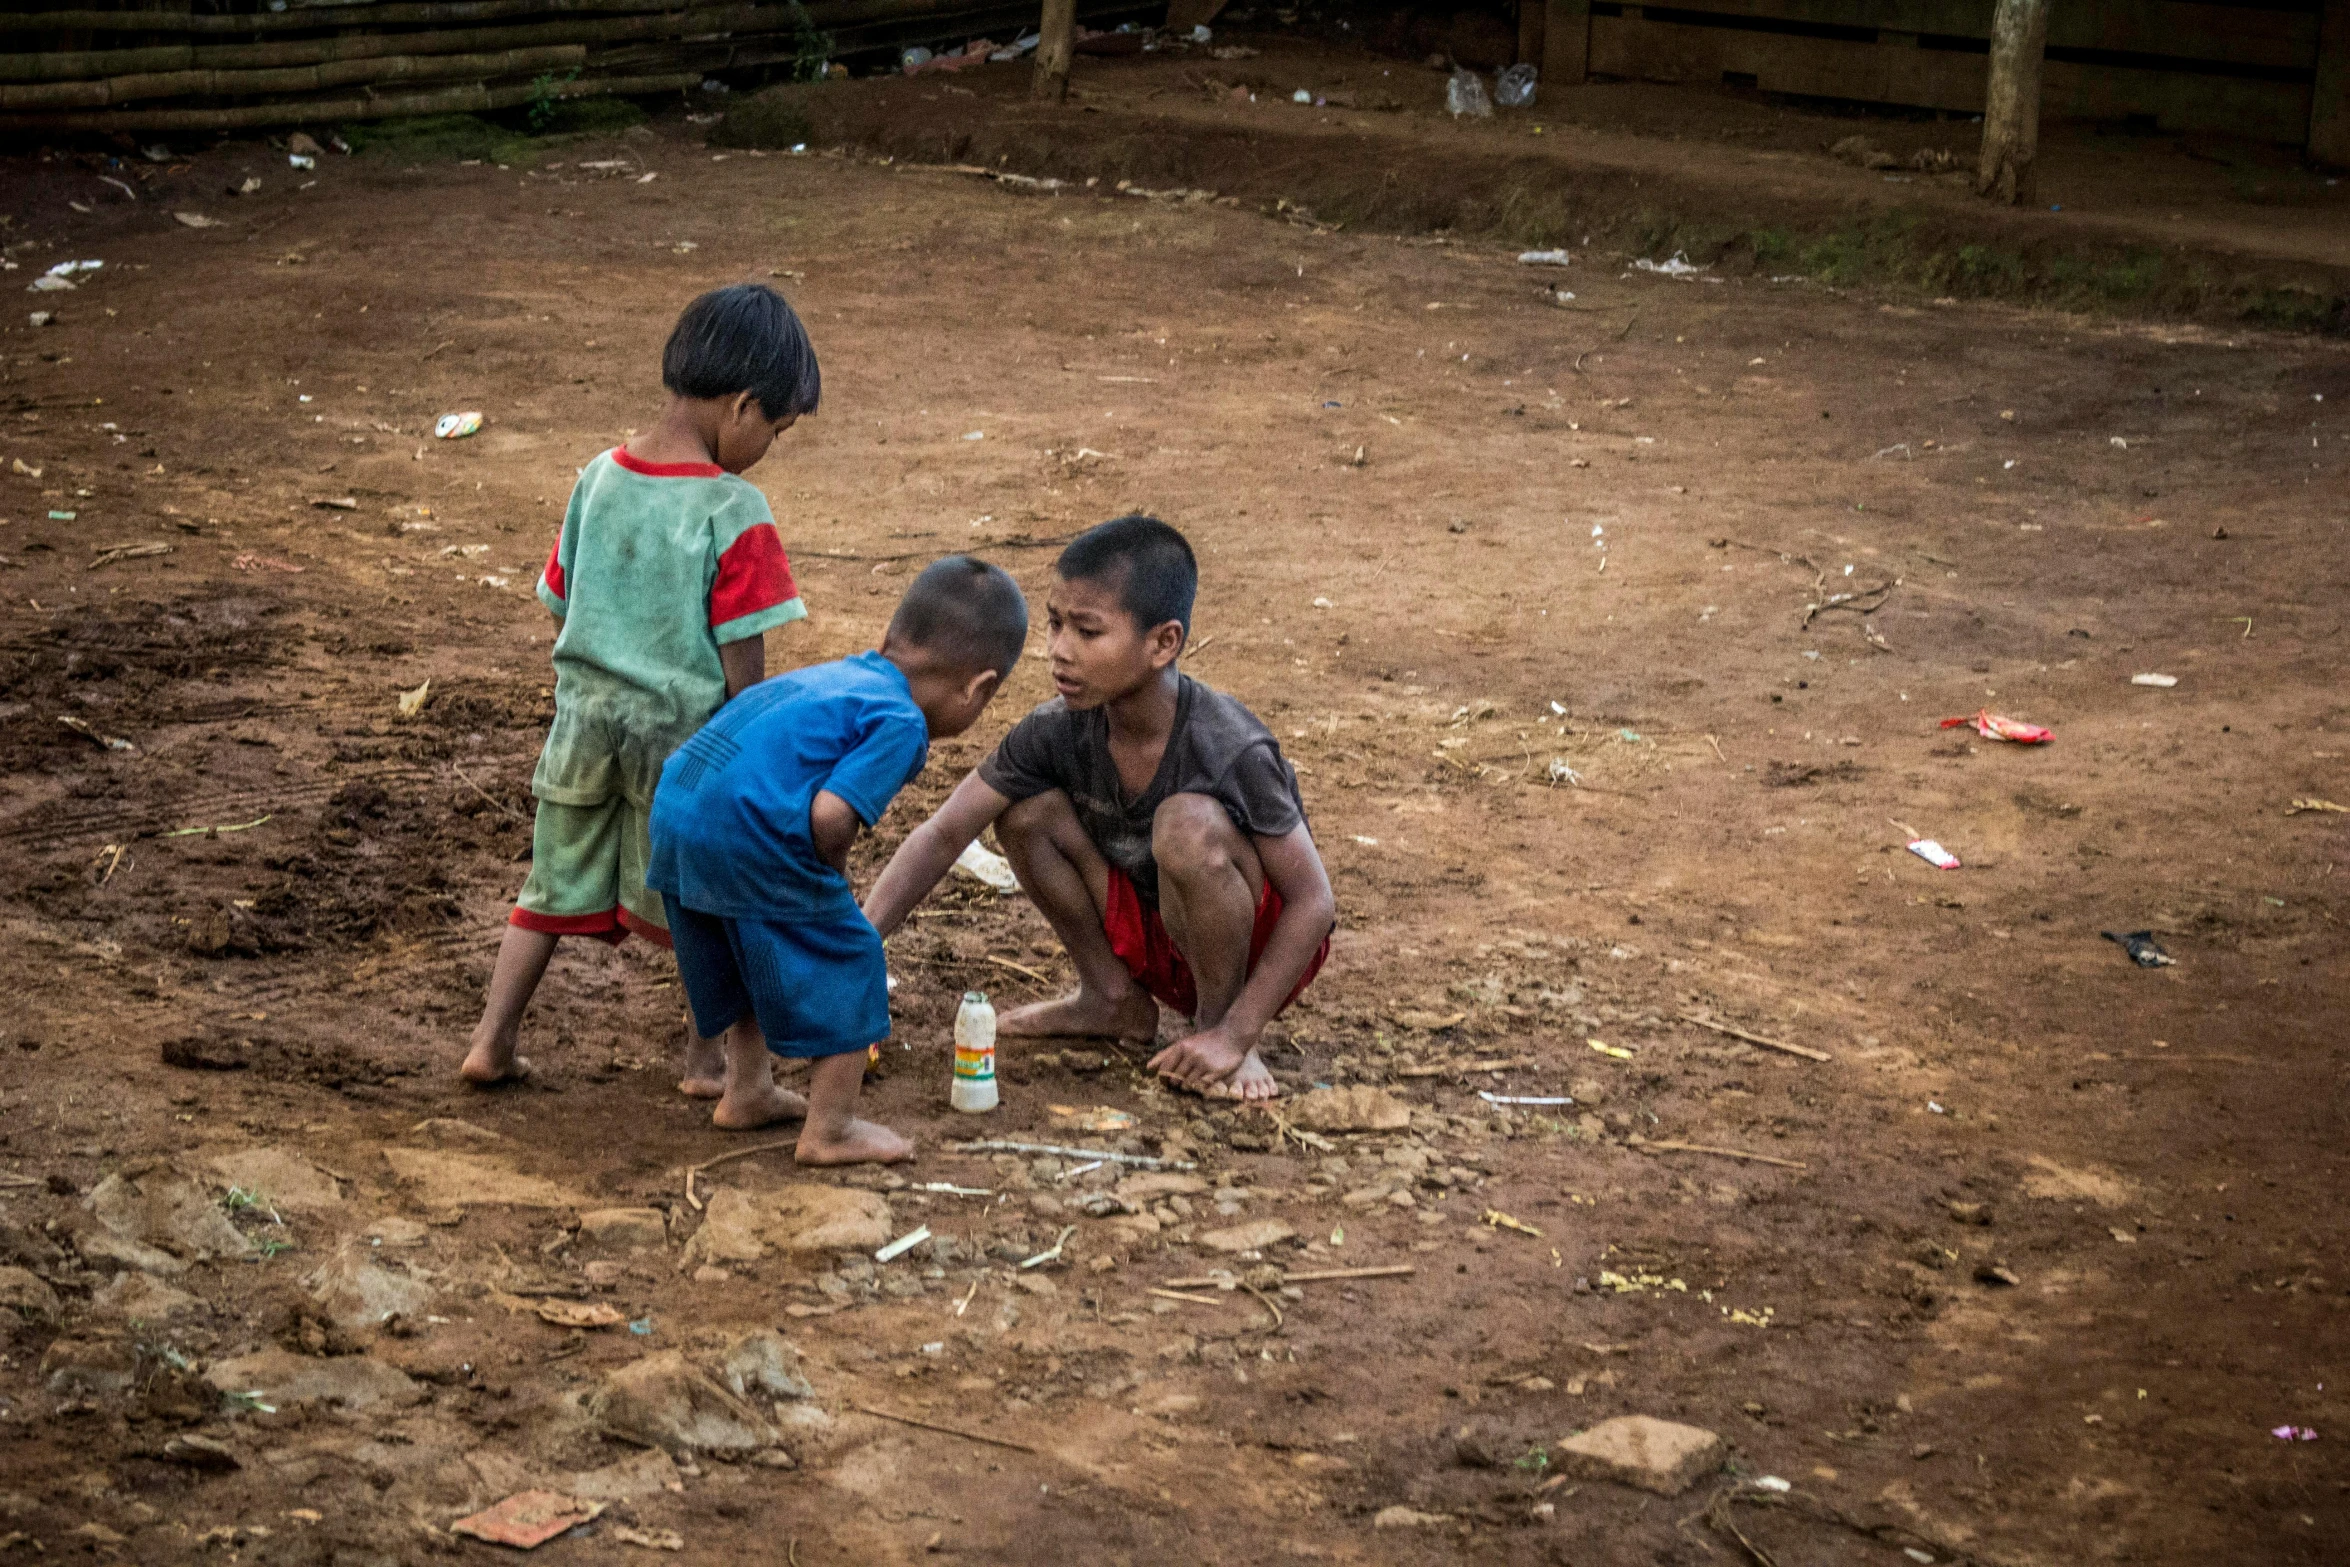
<point>2172,226</point>
<point>2035,1263</point>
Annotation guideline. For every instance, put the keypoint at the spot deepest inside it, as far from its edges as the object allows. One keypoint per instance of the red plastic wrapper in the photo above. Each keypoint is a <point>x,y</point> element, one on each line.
<point>1995,726</point>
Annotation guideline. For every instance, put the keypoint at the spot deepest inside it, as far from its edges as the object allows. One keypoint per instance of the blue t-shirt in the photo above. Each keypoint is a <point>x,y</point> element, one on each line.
<point>730,818</point>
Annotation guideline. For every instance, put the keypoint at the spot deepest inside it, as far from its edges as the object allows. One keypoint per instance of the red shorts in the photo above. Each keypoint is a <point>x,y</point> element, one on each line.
<point>1140,939</point>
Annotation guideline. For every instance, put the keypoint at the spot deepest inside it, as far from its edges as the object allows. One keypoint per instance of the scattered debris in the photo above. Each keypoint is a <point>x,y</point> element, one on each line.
<point>1495,1219</point>
<point>2298,807</point>
<point>1101,1118</point>
<point>1144,1161</point>
<point>1720,1153</point>
<point>2165,681</point>
<point>196,220</point>
<point>1933,854</point>
<point>984,865</point>
<point>412,702</point>
<point>1523,1099</point>
<point>455,427</point>
<point>1678,266</point>
<point>2294,1434</point>
<point>528,1519</point>
<point>1465,95</point>
<point>110,742</point>
<point>1544,258</point>
<point>2143,949</point>
<point>108,554</point>
<point>1992,726</point>
<point>580,1314</point>
<point>1053,1252</point>
<point>1805,1051</point>
<point>903,1244</point>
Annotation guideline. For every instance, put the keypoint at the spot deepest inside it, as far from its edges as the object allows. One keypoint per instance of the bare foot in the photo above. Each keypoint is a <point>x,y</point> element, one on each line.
<point>490,1063</point>
<point>1133,1016</point>
<point>859,1142</point>
<point>1251,1081</point>
<point>751,1108</point>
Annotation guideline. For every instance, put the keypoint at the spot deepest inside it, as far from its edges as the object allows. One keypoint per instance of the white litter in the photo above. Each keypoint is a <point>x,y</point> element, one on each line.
<point>1301,96</point>
<point>2165,681</point>
<point>1544,258</point>
<point>1772,1483</point>
<point>983,864</point>
<point>903,1244</point>
<point>1524,1099</point>
<point>1933,854</point>
<point>1678,266</point>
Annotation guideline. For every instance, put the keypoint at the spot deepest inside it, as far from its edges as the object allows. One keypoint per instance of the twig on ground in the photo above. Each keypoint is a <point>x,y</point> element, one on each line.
<point>999,1145</point>
<point>884,560</point>
<point>1806,1051</point>
<point>495,804</point>
<point>1265,1301</point>
<point>1017,968</point>
<point>1720,1153</point>
<point>711,1164</point>
<point>932,1425</point>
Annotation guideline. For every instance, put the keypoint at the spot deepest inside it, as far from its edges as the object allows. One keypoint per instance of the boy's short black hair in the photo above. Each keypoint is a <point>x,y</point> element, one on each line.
<point>966,612</point>
<point>1149,562</point>
<point>744,339</point>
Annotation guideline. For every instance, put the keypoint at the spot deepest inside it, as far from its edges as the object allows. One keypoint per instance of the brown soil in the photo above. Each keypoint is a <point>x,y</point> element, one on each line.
<point>1539,598</point>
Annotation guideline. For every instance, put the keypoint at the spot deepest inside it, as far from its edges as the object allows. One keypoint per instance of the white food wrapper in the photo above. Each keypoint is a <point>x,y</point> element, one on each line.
<point>1933,854</point>
<point>982,864</point>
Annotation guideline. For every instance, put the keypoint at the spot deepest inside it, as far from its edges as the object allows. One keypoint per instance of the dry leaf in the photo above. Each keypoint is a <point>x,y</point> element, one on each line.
<point>412,702</point>
<point>580,1314</point>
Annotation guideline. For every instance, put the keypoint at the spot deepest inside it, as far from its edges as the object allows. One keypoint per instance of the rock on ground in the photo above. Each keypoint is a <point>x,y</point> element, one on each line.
<point>353,1381</point>
<point>82,1368</point>
<point>440,1179</point>
<point>136,1297</point>
<point>1154,1184</point>
<point>648,1227</point>
<point>279,1178</point>
<point>157,1205</point>
<point>764,1362</point>
<point>664,1401</point>
<point>1255,1235</point>
<point>1358,1109</point>
<point>1639,1450</point>
<point>27,1291</point>
<point>741,1226</point>
<point>1400,1517</point>
<point>631,1479</point>
<point>355,1293</point>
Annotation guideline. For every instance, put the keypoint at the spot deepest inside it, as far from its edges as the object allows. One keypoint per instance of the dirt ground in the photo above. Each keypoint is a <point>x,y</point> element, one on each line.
<point>1610,636</point>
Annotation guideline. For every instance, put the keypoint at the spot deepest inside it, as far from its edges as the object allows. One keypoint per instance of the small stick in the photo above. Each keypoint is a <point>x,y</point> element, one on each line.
<point>1018,968</point>
<point>709,1164</point>
<point>496,804</point>
<point>1188,1300</point>
<point>1315,1276</point>
<point>1052,1253</point>
<point>1805,1051</point>
<point>997,1145</point>
<point>1717,745</point>
<point>965,1303</point>
<point>1724,1153</point>
<point>1201,646</point>
<point>926,1425</point>
<point>190,832</point>
<point>1265,1301</point>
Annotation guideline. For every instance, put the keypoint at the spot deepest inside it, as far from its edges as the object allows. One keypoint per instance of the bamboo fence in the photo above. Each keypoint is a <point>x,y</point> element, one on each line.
<point>164,65</point>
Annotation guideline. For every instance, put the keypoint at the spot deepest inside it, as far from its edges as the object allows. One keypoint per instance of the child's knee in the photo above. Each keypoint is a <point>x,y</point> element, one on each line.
<point>1192,831</point>
<point>1033,816</point>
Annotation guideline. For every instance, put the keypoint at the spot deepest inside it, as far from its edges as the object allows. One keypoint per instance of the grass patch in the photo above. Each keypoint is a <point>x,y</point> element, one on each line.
<point>776,120</point>
<point>506,138</point>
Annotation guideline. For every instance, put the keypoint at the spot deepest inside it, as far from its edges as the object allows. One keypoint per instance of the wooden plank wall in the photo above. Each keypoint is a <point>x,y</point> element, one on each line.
<point>2253,67</point>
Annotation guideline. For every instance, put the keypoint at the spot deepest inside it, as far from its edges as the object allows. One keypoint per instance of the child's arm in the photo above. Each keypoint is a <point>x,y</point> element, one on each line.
<point>1308,911</point>
<point>833,825</point>
<point>745,663</point>
<point>931,850</point>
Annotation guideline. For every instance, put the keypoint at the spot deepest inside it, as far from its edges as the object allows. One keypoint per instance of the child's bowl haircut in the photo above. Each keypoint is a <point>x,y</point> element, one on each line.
<point>1149,563</point>
<point>744,339</point>
<point>966,612</point>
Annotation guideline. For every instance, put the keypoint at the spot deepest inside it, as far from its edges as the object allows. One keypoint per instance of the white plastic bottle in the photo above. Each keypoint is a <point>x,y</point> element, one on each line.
<point>974,1088</point>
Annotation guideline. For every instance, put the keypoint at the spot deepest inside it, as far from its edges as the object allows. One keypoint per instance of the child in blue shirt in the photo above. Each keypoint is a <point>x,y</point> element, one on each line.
<point>751,828</point>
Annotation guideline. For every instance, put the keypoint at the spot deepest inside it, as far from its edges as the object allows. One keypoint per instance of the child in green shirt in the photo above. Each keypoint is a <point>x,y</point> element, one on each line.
<point>668,571</point>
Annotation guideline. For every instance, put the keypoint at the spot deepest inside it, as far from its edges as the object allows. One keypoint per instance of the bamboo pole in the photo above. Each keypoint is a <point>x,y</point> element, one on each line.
<point>309,78</point>
<point>434,14</point>
<point>81,65</point>
<point>471,98</point>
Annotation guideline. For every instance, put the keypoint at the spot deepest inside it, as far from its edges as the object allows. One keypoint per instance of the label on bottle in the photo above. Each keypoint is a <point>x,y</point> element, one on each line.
<point>975,1065</point>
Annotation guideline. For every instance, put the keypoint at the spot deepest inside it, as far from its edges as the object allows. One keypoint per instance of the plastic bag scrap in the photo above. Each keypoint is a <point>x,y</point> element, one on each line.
<point>1465,95</point>
<point>1678,266</point>
<point>1993,726</point>
<point>1933,854</point>
<point>2143,949</point>
<point>1514,88</point>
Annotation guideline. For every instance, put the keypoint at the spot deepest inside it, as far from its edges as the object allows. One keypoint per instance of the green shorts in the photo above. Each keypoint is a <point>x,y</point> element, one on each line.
<point>587,873</point>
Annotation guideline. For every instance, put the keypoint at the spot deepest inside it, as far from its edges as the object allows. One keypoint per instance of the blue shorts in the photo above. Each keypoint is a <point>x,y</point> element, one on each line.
<point>815,989</point>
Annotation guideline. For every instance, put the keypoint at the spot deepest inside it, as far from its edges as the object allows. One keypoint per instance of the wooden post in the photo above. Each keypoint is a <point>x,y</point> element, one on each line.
<point>2329,104</point>
<point>2011,110</point>
<point>1566,42</point>
<point>1057,36</point>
